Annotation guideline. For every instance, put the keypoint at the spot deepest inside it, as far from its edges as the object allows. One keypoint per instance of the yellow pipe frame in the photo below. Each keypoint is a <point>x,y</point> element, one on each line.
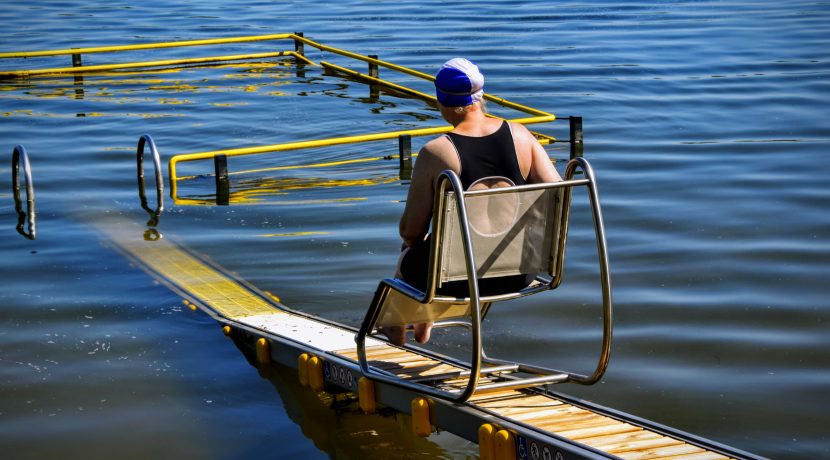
<point>163,63</point>
<point>176,159</point>
<point>254,38</point>
<point>379,81</point>
<point>543,138</point>
<point>147,46</point>
<point>538,116</point>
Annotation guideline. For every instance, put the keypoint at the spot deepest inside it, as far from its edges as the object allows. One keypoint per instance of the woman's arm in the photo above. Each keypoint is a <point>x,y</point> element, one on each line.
<point>541,168</point>
<point>436,156</point>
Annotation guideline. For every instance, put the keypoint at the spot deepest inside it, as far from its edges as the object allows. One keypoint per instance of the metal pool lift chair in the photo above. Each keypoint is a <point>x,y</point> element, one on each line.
<point>490,233</point>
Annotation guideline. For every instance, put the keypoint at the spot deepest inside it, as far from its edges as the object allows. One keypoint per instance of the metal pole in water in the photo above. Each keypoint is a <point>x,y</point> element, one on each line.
<point>299,46</point>
<point>220,163</point>
<point>576,137</point>
<point>405,156</point>
<point>79,79</point>
<point>374,72</point>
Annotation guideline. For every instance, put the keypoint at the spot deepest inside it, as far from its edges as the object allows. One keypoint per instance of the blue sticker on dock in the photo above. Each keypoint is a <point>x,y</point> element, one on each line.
<point>535,450</point>
<point>521,447</point>
<point>338,375</point>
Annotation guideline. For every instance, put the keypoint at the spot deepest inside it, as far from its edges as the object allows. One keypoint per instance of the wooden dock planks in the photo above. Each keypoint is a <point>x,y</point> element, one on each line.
<point>544,412</point>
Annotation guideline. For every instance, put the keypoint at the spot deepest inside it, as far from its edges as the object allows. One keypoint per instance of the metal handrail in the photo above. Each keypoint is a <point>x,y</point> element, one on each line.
<point>537,116</point>
<point>135,65</point>
<point>297,37</point>
<point>147,140</point>
<point>19,153</point>
<point>145,46</point>
<point>332,141</point>
<point>604,266</point>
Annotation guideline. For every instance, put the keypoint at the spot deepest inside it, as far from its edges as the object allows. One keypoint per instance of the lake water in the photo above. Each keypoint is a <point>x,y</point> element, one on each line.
<point>706,123</point>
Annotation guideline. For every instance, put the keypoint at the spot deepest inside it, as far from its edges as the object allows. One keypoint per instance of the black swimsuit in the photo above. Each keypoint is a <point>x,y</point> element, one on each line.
<point>493,155</point>
<point>487,156</point>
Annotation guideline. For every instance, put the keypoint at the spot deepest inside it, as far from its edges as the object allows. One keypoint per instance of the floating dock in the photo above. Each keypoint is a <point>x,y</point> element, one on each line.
<point>511,424</point>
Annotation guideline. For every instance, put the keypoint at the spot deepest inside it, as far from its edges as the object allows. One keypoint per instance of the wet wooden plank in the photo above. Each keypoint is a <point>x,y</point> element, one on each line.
<point>436,368</point>
<point>657,442</point>
<point>409,361</point>
<point>598,431</point>
<point>414,366</point>
<point>661,452</point>
<point>578,422</point>
<point>500,397</point>
<point>707,455</point>
<point>545,415</point>
<point>385,365</point>
<point>572,421</point>
<point>614,427</point>
<point>374,352</point>
<point>526,401</point>
<point>605,442</point>
<point>523,413</point>
<point>390,354</point>
<point>461,382</point>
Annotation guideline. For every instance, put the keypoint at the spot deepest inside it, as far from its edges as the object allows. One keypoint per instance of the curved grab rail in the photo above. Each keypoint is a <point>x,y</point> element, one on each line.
<point>18,154</point>
<point>605,272</point>
<point>143,141</point>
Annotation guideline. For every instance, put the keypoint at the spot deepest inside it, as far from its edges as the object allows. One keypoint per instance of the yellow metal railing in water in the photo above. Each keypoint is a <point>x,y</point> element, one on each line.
<point>537,116</point>
<point>176,159</point>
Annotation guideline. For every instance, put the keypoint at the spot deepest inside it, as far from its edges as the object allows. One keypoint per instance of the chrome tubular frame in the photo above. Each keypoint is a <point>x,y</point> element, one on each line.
<point>446,182</point>
<point>19,155</point>
<point>146,139</point>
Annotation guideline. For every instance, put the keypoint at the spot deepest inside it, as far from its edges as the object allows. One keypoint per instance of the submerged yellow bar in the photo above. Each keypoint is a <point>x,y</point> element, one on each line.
<point>364,58</point>
<point>218,41</point>
<point>538,116</point>
<point>408,71</point>
<point>355,74</point>
<point>175,160</point>
<point>133,65</point>
<point>146,46</point>
<point>430,97</point>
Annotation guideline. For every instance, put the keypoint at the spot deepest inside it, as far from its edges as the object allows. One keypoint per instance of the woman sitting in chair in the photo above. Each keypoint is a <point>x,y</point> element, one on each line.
<point>483,152</point>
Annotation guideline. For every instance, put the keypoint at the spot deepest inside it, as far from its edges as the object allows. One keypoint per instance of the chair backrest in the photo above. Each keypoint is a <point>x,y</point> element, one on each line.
<point>512,230</point>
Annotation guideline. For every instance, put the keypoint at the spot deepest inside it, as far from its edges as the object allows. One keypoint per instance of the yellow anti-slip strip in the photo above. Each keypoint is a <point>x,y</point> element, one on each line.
<point>221,293</point>
<point>188,274</point>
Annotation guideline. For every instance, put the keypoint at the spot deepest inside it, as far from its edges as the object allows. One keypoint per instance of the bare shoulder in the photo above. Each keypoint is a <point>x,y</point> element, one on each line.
<point>440,152</point>
<point>533,159</point>
<point>438,146</point>
<point>521,132</point>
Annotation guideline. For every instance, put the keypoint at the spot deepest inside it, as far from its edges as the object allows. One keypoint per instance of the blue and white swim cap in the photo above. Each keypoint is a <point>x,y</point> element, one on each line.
<point>459,83</point>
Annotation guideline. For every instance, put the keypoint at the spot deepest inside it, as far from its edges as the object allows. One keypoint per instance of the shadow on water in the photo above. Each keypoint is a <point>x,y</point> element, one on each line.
<point>337,426</point>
